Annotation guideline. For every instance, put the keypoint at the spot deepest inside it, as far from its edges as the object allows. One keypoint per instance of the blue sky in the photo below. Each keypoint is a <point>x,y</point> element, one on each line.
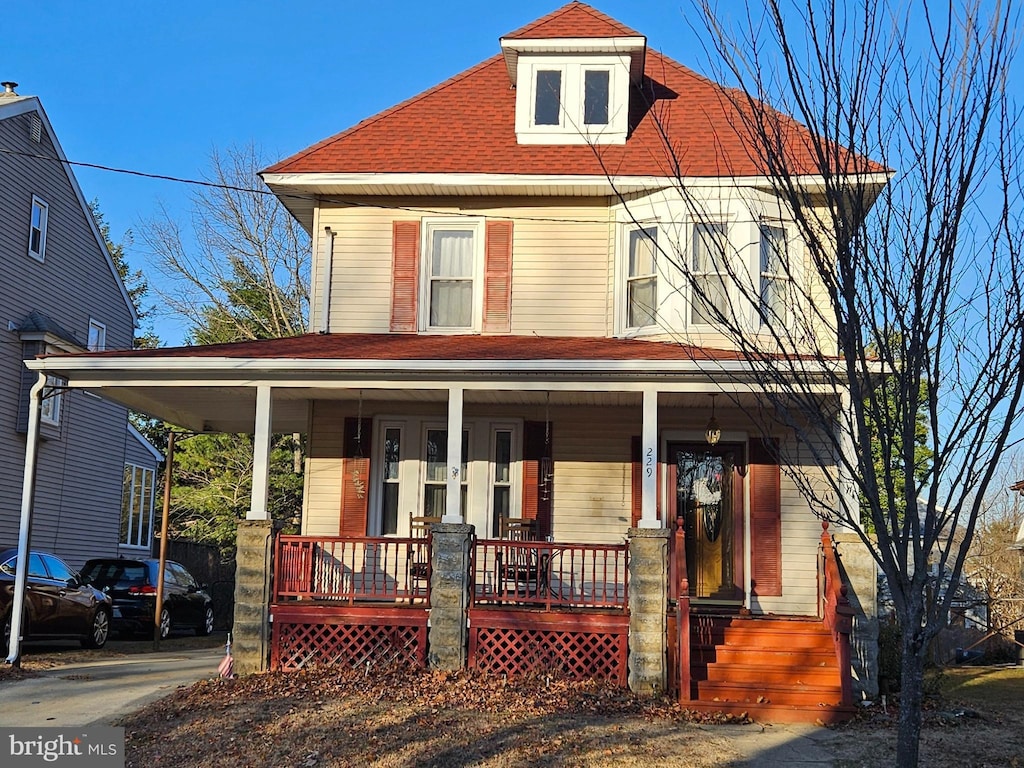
<point>155,86</point>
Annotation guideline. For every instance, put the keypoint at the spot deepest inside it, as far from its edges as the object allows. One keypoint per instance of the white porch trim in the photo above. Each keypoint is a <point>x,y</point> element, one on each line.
<point>261,455</point>
<point>453,475</point>
<point>649,462</point>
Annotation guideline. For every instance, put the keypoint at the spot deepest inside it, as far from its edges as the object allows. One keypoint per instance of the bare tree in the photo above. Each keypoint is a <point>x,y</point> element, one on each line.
<point>244,272</point>
<point>880,296</point>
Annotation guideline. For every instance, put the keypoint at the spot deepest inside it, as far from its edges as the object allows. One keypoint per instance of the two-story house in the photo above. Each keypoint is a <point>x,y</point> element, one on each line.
<point>510,355</point>
<point>60,292</point>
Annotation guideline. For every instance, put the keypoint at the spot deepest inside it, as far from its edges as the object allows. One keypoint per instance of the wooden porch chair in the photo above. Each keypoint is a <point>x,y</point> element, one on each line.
<point>521,570</point>
<point>419,557</point>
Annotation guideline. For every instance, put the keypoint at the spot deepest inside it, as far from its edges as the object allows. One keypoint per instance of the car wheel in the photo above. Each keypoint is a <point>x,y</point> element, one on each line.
<point>207,626</point>
<point>165,624</point>
<point>100,631</point>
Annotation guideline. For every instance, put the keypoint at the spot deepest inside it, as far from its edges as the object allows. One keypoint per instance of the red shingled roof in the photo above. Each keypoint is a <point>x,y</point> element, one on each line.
<point>382,346</point>
<point>573,20</point>
<point>467,125</point>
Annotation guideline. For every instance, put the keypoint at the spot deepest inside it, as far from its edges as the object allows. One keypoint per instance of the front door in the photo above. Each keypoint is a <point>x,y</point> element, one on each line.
<point>708,503</point>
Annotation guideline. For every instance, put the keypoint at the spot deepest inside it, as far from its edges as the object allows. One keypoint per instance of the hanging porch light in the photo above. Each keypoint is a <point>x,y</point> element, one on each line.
<point>713,432</point>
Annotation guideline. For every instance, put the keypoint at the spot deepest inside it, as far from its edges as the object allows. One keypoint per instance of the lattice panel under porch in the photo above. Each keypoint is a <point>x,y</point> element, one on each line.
<point>599,652</point>
<point>298,645</point>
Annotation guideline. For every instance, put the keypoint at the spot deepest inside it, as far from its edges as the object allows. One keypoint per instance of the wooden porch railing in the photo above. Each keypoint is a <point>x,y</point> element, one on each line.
<point>836,611</point>
<point>680,586</point>
<point>349,570</point>
<point>549,575</point>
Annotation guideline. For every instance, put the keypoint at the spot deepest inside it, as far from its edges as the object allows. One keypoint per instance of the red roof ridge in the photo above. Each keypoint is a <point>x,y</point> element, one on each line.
<point>280,165</point>
<point>617,28</point>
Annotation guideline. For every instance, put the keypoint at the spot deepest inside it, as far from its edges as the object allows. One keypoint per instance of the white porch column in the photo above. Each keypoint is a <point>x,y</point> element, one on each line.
<point>453,496</point>
<point>28,492</point>
<point>649,462</point>
<point>261,455</point>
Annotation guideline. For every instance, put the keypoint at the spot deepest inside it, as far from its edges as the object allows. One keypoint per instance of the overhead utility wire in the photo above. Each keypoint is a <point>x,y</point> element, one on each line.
<point>289,195</point>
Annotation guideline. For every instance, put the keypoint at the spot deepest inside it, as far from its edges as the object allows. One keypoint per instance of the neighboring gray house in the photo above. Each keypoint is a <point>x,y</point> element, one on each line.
<point>59,290</point>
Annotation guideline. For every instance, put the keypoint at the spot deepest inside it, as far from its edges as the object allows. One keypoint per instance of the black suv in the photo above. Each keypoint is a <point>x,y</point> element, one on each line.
<point>131,585</point>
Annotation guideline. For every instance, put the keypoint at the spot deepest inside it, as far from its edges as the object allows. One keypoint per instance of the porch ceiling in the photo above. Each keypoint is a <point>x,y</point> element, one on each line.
<point>233,408</point>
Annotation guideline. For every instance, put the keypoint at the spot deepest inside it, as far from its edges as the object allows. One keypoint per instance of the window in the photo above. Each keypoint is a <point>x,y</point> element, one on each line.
<point>596,85</point>
<point>774,275</point>
<point>137,505</point>
<point>53,396</point>
<point>435,483</point>
<point>410,465</point>
<point>390,480</point>
<point>572,99</point>
<point>58,570</point>
<point>452,300</point>
<point>97,336</point>
<point>709,271</point>
<point>641,278</point>
<point>547,108</point>
<point>37,229</point>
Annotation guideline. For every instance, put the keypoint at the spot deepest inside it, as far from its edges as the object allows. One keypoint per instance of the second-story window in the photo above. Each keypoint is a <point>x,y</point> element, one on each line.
<point>37,229</point>
<point>772,307</point>
<point>709,273</point>
<point>97,336</point>
<point>451,270</point>
<point>53,396</point>
<point>642,278</point>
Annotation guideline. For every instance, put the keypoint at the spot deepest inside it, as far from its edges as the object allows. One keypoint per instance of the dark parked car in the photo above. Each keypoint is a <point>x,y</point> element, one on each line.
<point>131,585</point>
<point>58,603</point>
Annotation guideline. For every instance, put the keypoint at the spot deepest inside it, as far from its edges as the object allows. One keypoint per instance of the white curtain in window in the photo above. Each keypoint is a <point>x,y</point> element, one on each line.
<point>451,279</point>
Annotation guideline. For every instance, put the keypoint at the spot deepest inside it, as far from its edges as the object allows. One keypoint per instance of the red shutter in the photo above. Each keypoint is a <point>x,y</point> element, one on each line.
<point>538,497</point>
<point>498,278</point>
<point>765,519</point>
<point>405,270</point>
<point>355,477</point>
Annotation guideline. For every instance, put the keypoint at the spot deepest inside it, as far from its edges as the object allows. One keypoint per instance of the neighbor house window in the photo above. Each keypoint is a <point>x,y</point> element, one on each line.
<point>37,229</point>
<point>709,271</point>
<point>53,397</point>
<point>137,505</point>
<point>596,88</point>
<point>547,108</point>
<point>97,336</point>
<point>642,278</point>
<point>451,271</point>
<point>774,275</point>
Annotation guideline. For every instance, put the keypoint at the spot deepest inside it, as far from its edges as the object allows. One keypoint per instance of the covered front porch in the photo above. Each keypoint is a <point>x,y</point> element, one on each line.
<point>422,452</point>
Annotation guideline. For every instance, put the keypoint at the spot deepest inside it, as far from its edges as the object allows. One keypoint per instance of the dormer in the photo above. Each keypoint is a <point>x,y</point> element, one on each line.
<point>573,72</point>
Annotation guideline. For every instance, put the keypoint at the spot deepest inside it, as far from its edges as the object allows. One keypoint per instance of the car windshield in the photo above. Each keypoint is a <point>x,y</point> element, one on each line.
<point>116,575</point>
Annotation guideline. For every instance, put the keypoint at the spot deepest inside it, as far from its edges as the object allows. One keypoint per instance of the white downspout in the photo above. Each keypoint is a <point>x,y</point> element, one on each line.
<point>325,291</point>
<point>28,491</point>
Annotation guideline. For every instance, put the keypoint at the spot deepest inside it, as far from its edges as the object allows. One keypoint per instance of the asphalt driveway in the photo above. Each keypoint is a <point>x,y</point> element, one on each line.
<point>98,692</point>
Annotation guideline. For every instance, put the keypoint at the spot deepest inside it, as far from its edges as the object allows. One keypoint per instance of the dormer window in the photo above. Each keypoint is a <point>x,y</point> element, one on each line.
<point>573,90</point>
<point>547,108</point>
<point>596,90</point>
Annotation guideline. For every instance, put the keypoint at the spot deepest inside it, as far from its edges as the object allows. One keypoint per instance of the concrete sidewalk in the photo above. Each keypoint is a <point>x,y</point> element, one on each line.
<point>97,693</point>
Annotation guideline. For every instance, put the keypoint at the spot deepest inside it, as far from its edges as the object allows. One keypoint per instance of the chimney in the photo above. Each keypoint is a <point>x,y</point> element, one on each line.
<point>9,87</point>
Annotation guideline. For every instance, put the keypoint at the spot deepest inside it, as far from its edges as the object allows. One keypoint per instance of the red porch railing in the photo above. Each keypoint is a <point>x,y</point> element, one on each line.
<point>550,575</point>
<point>836,611</point>
<point>350,570</point>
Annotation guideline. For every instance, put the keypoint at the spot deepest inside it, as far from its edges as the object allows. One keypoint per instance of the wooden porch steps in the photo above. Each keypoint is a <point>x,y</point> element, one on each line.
<point>782,670</point>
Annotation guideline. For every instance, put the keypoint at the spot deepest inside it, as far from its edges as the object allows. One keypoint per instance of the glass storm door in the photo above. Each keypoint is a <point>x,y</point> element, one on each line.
<point>709,501</point>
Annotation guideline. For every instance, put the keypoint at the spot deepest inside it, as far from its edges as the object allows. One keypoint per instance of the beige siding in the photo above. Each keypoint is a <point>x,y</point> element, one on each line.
<point>560,263</point>
<point>321,498</point>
